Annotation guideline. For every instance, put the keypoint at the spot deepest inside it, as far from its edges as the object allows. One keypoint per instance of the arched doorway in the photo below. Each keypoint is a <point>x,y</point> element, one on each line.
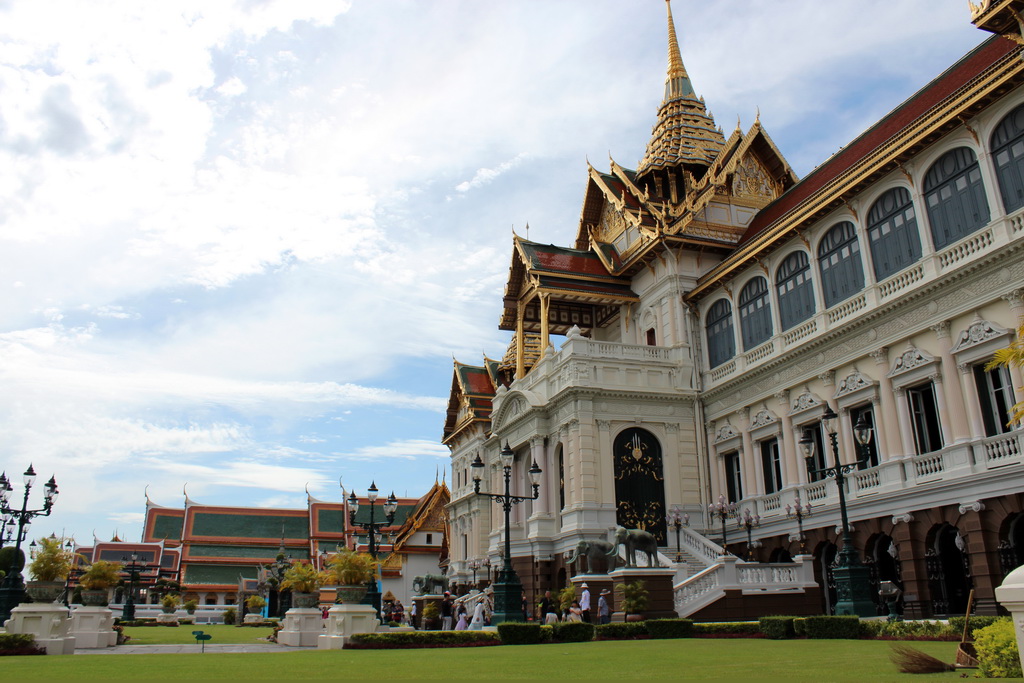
<point>882,558</point>
<point>780,555</point>
<point>639,482</point>
<point>1011,543</point>
<point>824,562</point>
<point>949,580</point>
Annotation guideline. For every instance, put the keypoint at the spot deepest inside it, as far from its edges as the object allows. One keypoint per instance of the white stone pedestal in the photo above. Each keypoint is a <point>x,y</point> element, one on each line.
<point>47,622</point>
<point>302,626</point>
<point>253,618</point>
<point>344,621</point>
<point>93,627</point>
<point>1011,596</point>
<point>165,618</point>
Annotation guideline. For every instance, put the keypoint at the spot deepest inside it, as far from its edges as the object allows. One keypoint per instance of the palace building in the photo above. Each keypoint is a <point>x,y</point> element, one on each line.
<point>713,304</point>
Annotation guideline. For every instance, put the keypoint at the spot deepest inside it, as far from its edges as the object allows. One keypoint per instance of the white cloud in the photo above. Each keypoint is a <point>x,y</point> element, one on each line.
<point>485,176</point>
<point>408,449</point>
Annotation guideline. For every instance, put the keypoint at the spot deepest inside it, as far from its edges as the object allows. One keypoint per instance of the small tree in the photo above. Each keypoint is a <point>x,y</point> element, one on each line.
<point>169,603</point>
<point>255,603</point>
<point>634,597</point>
<point>190,606</point>
<point>349,568</point>
<point>52,561</point>
<point>100,575</point>
<point>566,597</point>
<point>301,577</point>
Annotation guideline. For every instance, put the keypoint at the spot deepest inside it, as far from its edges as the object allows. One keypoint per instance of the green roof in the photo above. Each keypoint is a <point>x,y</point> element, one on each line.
<point>242,525</point>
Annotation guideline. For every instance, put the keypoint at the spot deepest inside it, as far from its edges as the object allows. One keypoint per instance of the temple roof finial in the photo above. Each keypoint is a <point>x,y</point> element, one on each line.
<point>678,82</point>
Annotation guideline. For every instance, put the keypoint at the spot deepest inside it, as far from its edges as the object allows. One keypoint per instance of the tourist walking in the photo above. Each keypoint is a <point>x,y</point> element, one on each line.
<point>604,611</point>
<point>585,603</point>
<point>446,612</point>
<point>478,617</point>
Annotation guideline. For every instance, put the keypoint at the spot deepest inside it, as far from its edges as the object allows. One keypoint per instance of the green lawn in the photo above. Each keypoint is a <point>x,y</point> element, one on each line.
<point>802,660</point>
<point>176,635</point>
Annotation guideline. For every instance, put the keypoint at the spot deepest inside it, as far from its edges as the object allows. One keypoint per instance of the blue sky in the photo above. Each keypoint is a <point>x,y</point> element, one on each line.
<point>242,241</point>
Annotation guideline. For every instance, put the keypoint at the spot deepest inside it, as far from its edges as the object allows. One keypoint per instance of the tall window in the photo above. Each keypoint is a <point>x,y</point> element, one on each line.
<point>924,414</point>
<point>733,481</point>
<point>1008,151</point>
<point>872,447</point>
<point>795,290</point>
<point>842,274</point>
<point>892,230</point>
<point>995,398</point>
<point>955,197</point>
<point>755,313</point>
<point>771,463</point>
<point>652,337</point>
<point>721,339</point>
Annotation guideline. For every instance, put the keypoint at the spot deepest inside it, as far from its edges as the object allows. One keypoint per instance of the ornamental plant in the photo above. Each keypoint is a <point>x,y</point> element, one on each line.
<point>255,603</point>
<point>996,646</point>
<point>566,596</point>
<point>52,561</point>
<point>635,597</point>
<point>301,577</point>
<point>349,568</point>
<point>169,603</point>
<point>100,575</point>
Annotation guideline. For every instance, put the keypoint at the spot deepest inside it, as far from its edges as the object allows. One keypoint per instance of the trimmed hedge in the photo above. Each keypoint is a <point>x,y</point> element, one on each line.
<point>729,628</point>
<point>519,633</point>
<point>957,624</point>
<point>909,630</point>
<point>624,630</point>
<point>777,628</point>
<point>834,627</point>
<point>669,628</point>
<point>547,633</point>
<point>417,639</point>
<point>19,644</point>
<point>572,632</point>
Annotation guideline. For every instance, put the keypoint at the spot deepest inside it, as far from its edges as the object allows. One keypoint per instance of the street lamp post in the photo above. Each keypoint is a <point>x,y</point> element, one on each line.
<point>749,522</point>
<point>853,582</point>
<point>12,590</point>
<point>128,611</point>
<point>677,519</point>
<point>723,509</point>
<point>372,529</point>
<point>474,565</point>
<point>799,512</point>
<point>508,590</point>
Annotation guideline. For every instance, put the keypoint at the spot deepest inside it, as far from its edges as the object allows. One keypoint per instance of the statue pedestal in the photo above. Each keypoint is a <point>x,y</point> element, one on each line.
<point>344,621</point>
<point>302,627</point>
<point>48,623</point>
<point>93,627</point>
<point>595,584</point>
<point>657,581</point>
<point>165,618</point>
<point>253,618</point>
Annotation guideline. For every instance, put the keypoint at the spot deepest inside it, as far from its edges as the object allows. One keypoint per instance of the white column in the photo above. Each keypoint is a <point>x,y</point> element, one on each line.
<point>903,416</point>
<point>846,428</point>
<point>792,472</point>
<point>954,396</point>
<point>940,399</point>
<point>752,484</point>
<point>971,392</point>
<point>890,409</point>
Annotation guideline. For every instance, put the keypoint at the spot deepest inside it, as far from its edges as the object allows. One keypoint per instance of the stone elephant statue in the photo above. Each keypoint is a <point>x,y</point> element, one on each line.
<point>637,540</point>
<point>596,552</point>
<point>429,584</point>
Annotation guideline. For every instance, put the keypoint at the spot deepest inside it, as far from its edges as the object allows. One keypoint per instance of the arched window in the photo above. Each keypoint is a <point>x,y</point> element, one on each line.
<point>955,197</point>
<point>892,230</point>
<point>755,313</point>
<point>1008,151</point>
<point>842,274</point>
<point>795,290</point>
<point>721,339</point>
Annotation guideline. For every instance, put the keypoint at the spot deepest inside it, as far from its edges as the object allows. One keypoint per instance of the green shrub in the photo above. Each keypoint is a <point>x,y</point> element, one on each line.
<point>230,615</point>
<point>834,627</point>
<point>413,639</point>
<point>19,644</point>
<point>9,554</point>
<point>572,632</point>
<point>628,629</point>
<point>800,627</point>
<point>669,628</point>
<point>957,624</point>
<point>996,646</point>
<point>908,630</point>
<point>777,628</point>
<point>738,628</point>
<point>547,633</point>
<point>518,633</point>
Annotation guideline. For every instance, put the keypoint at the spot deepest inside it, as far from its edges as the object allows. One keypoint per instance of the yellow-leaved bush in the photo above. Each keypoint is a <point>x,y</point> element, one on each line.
<point>997,650</point>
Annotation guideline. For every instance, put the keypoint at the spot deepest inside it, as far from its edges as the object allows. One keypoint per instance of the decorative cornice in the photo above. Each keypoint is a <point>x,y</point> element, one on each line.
<point>853,382</point>
<point>912,358</point>
<point>979,332</point>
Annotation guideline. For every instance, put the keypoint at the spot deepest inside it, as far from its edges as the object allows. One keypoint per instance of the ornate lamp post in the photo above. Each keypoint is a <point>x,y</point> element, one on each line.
<point>508,590</point>
<point>799,512</point>
<point>474,565</point>
<point>853,582</point>
<point>723,509</point>
<point>749,522</point>
<point>12,590</point>
<point>677,519</point>
<point>372,529</point>
<point>128,611</point>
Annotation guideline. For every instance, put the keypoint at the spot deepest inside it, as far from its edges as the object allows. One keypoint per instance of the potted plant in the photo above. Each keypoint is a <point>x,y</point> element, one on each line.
<point>169,603</point>
<point>431,616</point>
<point>634,600</point>
<point>50,568</point>
<point>190,606</point>
<point>350,571</point>
<point>304,581</point>
<point>97,580</point>
<point>566,597</point>
<point>254,603</point>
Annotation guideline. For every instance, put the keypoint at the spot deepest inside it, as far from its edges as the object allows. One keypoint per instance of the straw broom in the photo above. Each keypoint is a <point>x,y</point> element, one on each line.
<point>910,660</point>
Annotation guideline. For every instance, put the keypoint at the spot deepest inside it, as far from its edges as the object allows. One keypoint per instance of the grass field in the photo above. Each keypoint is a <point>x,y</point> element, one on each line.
<point>686,659</point>
<point>169,635</point>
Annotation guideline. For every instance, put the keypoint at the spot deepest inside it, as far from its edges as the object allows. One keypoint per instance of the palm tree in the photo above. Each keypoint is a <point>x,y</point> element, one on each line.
<point>1011,355</point>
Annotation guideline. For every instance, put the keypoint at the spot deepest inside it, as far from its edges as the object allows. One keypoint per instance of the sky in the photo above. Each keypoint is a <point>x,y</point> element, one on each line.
<point>242,241</point>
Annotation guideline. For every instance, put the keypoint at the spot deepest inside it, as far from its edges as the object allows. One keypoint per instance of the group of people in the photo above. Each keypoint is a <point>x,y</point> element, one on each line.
<point>394,612</point>
<point>579,610</point>
<point>463,621</point>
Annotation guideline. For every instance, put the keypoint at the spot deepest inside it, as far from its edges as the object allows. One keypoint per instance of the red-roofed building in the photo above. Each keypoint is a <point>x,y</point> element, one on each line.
<point>683,350</point>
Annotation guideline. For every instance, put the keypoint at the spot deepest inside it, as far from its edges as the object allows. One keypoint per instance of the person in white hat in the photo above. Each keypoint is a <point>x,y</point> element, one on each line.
<point>585,602</point>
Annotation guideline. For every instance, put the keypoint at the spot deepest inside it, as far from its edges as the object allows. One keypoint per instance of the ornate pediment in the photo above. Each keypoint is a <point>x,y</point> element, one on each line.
<point>612,223</point>
<point>726,432</point>
<point>912,358</point>
<point>804,401</point>
<point>763,418</point>
<point>751,181</point>
<point>979,332</point>
<point>853,382</point>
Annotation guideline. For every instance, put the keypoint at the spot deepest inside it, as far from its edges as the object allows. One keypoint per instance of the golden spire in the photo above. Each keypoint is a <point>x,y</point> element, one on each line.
<point>678,81</point>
